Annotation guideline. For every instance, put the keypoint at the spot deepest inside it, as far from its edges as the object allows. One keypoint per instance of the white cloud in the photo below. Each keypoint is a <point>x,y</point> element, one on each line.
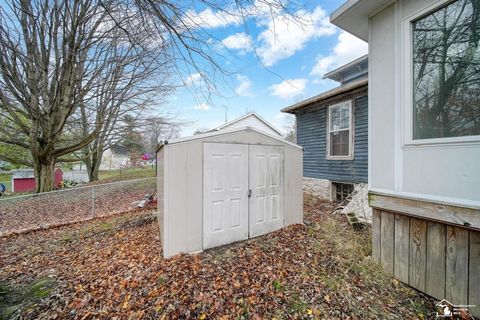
<point>289,88</point>
<point>202,107</point>
<point>238,41</point>
<point>244,86</point>
<point>193,79</point>
<point>348,48</point>
<point>285,35</point>
<point>210,19</point>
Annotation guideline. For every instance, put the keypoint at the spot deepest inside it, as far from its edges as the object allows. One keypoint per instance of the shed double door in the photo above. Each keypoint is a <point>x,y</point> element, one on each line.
<point>243,192</point>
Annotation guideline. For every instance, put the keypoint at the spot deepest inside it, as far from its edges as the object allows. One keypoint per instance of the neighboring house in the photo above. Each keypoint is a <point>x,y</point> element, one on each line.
<point>115,157</point>
<point>424,140</point>
<point>23,180</point>
<point>252,120</point>
<point>78,176</point>
<point>332,127</point>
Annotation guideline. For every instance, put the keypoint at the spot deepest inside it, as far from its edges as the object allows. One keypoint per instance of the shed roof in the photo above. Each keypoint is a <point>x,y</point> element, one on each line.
<point>225,132</point>
<point>23,174</point>
<point>327,94</point>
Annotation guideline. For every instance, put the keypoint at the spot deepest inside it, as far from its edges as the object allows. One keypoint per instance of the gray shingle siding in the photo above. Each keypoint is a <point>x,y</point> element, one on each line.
<point>312,136</point>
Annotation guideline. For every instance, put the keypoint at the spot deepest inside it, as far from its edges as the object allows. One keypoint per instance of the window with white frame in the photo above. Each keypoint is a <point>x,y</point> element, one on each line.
<point>340,130</point>
<point>446,71</point>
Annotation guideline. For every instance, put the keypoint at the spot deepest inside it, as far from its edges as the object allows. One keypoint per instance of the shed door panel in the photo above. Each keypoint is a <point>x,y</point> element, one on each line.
<point>225,204</point>
<point>266,182</point>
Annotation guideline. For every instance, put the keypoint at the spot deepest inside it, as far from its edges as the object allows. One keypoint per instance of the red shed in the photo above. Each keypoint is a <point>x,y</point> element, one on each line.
<point>23,180</point>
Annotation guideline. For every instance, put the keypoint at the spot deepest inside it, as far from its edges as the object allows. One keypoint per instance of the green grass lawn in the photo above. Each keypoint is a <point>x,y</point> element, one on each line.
<point>104,176</point>
<point>126,174</point>
<point>6,179</point>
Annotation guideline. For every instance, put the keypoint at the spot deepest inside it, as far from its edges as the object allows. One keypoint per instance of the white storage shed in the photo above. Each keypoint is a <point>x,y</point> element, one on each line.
<point>226,186</point>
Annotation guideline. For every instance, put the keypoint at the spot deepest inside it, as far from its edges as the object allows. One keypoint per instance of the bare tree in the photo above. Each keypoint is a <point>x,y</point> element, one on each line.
<point>59,61</point>
<point>128,92</point>
<point>290,126</point>
<point>162,129</point>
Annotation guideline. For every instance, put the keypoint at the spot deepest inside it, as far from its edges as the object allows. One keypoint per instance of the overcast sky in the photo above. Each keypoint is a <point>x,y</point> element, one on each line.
<point>286,66</point>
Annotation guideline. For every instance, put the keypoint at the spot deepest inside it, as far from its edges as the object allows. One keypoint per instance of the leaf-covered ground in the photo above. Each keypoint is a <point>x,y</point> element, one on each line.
<point>112,268</point>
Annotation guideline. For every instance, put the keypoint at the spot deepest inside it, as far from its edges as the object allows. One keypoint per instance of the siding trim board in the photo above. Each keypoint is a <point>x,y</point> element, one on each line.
<point>449,214</point>
<point>312,134</point>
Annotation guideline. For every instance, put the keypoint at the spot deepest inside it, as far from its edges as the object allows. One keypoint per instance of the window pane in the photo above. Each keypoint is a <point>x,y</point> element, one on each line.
<point>340,117</point>
<point>339,143</point>
<point>446,67</point>
<point>342,190</point>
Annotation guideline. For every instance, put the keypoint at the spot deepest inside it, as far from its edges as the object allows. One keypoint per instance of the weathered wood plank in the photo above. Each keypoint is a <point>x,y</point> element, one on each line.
<point>474,273</point>
<point>460,216</point>
<point>402,236</point>
<point>376,232</point>
<point>456,286</point>
<point>387,241</point>
<point>436,242</point>
<point>418,253</point>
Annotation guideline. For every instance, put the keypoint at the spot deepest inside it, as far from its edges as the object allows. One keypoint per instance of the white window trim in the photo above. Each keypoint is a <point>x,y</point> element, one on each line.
<point>350,134</point>
<point>408,84</point>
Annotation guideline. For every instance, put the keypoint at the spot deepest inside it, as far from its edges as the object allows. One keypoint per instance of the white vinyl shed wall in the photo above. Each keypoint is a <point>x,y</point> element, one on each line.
<point>181,185</point>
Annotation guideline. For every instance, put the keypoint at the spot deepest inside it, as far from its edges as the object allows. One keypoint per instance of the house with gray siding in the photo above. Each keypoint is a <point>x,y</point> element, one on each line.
<point>332,127</point>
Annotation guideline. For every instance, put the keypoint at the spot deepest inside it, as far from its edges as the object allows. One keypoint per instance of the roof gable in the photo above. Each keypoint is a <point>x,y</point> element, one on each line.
<point>247,119</point>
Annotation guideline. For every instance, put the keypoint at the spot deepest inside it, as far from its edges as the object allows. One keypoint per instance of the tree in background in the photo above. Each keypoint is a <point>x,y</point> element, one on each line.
<point>62,61</point>
<point>161,129</point>
<point>290,127</point>
<point>135,83</point>
<point>132,138</point>
<point>59,58</point>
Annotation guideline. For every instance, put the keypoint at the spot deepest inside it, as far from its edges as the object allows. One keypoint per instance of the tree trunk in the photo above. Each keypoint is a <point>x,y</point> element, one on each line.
<point>96,168</point>
<point>88,165</point>
<point>44,175</point>
<point>93,165</point>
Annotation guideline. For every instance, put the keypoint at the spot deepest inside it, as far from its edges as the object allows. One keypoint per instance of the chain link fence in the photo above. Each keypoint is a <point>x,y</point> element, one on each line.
<point>43,210</point>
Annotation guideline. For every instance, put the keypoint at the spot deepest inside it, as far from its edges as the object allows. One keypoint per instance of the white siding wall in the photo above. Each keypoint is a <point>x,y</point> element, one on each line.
<point>441,172</point>
<point>382,106</point>
<point>253,122</point>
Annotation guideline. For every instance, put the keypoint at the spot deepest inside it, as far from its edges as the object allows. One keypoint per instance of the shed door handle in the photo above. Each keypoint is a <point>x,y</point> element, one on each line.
<point>249,193</point>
